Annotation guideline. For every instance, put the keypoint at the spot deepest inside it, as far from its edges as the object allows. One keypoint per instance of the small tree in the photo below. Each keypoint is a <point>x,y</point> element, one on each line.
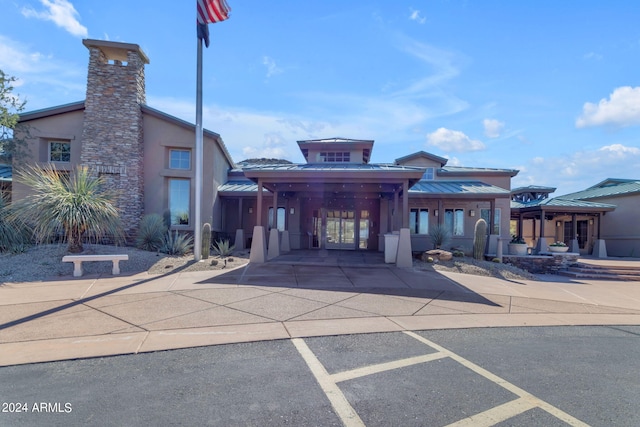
<point>10,108</point>
<point>77,204</point>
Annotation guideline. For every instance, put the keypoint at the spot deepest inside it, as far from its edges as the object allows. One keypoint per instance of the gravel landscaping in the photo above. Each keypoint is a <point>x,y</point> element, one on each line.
<point>45,262</point>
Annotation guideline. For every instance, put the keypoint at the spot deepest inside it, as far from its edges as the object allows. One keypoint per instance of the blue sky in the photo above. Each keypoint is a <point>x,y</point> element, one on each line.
<point>549,88</point>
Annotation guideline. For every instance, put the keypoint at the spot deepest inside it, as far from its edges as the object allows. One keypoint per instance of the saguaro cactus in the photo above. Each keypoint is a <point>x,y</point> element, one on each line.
<point>479,239</point>
<point>206,240</point>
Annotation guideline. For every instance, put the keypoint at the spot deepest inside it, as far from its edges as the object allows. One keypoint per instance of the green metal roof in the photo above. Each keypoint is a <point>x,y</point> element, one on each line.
<point>244,186</point>
<point>608,188</point>
<point>465,170</point>
<point>557,202</point>
<point>456,187</point>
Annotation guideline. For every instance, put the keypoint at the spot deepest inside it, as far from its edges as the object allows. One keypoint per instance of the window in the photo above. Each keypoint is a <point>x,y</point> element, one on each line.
<point>484,214</point>
<point>59,151</point>
<point>279,219</point>
<point>454,221</point>
<point>419,221</point>
<point>428,174</point>
<point>179,201</point>
<point>180,159</point>
<point>335,157</point>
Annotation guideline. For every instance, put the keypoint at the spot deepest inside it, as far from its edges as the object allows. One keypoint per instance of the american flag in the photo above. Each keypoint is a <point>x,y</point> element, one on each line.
<point>210,12</point>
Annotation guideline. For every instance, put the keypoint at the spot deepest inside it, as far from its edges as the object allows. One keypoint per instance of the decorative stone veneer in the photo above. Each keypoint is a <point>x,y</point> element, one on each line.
<point>112,136</point>
<point>542,264</point>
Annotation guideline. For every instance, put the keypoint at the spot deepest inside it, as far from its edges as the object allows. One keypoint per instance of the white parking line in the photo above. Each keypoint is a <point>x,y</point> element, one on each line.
<point>503,383</point>
<point>343,408</point>
<point>496,415</point>
<point>382,367</point>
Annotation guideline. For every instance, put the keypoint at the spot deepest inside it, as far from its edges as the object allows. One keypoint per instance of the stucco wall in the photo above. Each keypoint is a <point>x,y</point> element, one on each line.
<point>61,127</point>
<point>621,228</point>
<point>160,136</point>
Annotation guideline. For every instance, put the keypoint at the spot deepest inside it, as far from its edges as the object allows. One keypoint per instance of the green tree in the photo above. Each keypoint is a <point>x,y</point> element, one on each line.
<point>10,108</point>
<point>76,204</point>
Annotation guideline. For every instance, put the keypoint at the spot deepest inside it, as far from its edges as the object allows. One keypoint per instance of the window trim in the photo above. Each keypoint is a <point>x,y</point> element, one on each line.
<point>50,151</point>
<point>188,212</point>
<point>497,219</point>
<point>416,226</point>
<point>180,160</point>
<point>454,222</point>
<point>431,174</point>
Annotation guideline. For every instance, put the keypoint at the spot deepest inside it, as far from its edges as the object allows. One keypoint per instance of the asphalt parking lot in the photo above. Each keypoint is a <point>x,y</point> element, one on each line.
<point>496,376</point>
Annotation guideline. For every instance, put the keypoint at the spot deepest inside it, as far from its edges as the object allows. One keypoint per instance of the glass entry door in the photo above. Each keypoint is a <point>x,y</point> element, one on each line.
<point>341,229</point>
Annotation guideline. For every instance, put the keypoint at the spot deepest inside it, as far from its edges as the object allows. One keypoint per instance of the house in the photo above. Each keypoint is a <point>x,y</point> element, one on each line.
<point>337,199</point>
<point>619,227</point>
<point>145,154</point>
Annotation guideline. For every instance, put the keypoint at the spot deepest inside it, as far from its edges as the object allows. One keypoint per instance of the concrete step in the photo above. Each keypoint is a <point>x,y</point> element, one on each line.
<point>589,271</point>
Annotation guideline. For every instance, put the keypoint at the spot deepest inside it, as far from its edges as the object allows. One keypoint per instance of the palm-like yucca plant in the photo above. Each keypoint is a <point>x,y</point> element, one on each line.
<point>76,203</point>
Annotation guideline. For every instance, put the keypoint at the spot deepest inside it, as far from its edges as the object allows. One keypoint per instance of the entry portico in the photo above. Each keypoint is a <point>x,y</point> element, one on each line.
<point>339,201</point>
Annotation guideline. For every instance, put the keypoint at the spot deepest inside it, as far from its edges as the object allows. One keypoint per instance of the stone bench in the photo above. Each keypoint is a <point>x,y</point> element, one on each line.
<point>77,261</point>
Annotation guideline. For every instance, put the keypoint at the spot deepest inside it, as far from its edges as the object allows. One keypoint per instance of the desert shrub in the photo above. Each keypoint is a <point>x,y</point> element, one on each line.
<point>77,205</point>
<point>176,243</point>
<point>439,235</point>
<point>151,233</point>
<point>14,236</point>
<point>223,248</point>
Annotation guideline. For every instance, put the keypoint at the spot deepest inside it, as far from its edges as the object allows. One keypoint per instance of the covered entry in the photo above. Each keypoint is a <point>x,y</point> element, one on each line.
<point>348,226</point>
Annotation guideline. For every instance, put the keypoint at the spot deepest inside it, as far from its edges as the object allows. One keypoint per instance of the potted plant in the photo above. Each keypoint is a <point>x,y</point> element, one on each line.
<point>517,246</point>
<point>558,247</point>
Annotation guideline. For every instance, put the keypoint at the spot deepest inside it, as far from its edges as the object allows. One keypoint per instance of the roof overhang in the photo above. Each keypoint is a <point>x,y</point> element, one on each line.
<point>335,178</point>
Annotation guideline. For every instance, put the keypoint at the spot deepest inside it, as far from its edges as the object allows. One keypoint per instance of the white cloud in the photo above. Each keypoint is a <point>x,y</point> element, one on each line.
<point>620,110</point>
<point>272,68</point>
<point>60,12</point>
<point>453,140</point>
<point>273,147</point>
<point>415,16</point>
<point>492,127</point>
<point>579,170</point>
<point>34,68</point>
<point>592,55</point>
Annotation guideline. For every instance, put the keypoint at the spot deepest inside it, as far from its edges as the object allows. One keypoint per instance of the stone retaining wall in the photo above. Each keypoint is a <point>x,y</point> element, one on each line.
<point>549,263</point>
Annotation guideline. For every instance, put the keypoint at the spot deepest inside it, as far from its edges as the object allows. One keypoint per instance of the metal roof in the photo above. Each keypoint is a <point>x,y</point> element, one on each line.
<point>457,187</point>
<point>465,170</point>
<point>244,186</point>
<point>557,202</point>
<point>332,167</point>
<point>616,189</point>
<point>533,188</point>
<point>335,140</point>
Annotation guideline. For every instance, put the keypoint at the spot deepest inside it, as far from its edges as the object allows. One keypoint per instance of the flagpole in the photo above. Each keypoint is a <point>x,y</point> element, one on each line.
<point>197,241</point>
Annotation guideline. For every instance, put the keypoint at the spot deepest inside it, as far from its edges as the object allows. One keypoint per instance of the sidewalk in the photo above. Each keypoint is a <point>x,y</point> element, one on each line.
<point>107,315</point>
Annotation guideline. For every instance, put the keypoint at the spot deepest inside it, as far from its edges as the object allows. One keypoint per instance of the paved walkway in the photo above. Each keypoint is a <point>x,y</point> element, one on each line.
<point>293,296</point>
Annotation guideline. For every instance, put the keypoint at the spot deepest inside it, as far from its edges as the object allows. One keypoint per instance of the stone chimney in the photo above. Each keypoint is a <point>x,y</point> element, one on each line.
<point>112,136</point>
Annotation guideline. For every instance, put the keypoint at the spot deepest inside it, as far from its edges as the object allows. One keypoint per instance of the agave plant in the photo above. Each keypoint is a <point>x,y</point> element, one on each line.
<point>223,248</point>
<point>176,243</point>
<point>77,204</point>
